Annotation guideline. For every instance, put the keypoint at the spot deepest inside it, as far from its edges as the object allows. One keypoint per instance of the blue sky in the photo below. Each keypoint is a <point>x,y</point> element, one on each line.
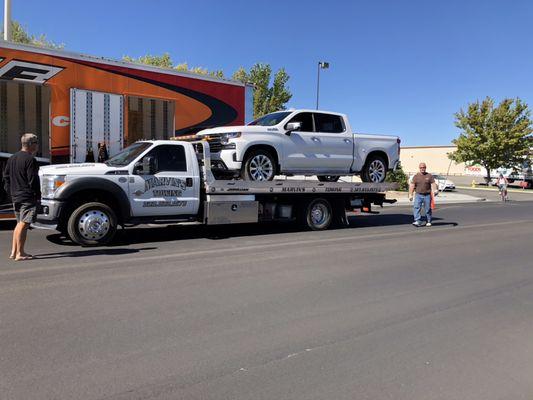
<point>398,67</point>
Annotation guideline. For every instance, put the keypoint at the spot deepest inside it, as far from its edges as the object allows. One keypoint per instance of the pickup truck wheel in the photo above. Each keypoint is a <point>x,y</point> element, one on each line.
<point>259,165</point>
<point>375,170</point>
<point>92,224</point>
<point>318,215</point>
<point>328,178</point>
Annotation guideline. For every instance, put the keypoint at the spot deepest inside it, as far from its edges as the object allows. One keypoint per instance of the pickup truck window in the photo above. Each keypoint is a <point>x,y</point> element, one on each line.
<point>127,155</point>
<point>306,119</point>
<point>270,119</point>
<point>169,158</point>
<point>328,123</point>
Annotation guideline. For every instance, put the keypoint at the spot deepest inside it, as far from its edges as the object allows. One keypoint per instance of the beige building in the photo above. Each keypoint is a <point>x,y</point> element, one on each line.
<point>436,158</point>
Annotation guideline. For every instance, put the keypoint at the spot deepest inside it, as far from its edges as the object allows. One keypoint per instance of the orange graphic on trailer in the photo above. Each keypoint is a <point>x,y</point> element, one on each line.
<point>198,102</point>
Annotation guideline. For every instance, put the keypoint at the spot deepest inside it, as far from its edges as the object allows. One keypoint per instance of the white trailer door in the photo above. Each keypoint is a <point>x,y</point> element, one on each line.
<point>96,117</point>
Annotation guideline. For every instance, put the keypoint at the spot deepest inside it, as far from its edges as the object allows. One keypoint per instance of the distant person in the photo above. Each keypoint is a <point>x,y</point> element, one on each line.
<point>502,184</point>
<point>21,181</point>
<point>422,185</point>
<point>103,155</point>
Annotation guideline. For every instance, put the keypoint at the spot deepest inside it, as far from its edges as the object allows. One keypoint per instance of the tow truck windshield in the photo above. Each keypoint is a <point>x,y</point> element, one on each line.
<point>127,155</point>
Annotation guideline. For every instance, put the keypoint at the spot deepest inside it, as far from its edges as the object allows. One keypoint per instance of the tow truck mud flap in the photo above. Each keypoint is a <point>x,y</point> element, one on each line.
<point>231,212</point>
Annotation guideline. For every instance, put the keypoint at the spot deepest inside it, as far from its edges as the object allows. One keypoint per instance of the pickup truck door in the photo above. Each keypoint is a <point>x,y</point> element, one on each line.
<point>173,189</point>
<point>334,145</point>
<point>300,147</point>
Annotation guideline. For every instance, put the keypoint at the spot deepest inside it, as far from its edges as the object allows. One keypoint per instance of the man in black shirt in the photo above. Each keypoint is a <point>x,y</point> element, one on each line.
<point>21,181</point>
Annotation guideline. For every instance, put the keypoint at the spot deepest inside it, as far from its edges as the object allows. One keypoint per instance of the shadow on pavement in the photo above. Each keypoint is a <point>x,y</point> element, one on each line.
<point>366,221</point>
<point>150,234</point>
<point>92,252</point>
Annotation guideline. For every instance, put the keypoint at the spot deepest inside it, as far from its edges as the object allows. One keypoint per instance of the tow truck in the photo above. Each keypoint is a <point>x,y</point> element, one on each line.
<point>171,182</point>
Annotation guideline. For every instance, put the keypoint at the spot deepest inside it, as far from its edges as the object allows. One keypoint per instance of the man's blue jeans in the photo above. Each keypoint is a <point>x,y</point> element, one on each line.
<point>422,200</point>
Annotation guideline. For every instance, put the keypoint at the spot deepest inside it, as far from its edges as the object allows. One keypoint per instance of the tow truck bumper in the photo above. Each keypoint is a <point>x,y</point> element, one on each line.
<point>48,216</point>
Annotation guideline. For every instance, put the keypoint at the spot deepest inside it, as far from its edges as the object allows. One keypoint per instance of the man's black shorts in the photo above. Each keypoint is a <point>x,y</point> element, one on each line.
<point>25,212</point>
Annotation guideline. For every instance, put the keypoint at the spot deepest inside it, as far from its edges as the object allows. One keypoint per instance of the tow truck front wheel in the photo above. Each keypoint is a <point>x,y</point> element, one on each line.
<point>317,215</point>
<point>92,224</point>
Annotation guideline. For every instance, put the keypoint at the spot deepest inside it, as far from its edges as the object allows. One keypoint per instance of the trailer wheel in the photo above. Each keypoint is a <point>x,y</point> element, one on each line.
<point>375,170</point>
<point>92,224</point>
<point>318,215</point>
<point>328,178</point>
<point>259,165</point>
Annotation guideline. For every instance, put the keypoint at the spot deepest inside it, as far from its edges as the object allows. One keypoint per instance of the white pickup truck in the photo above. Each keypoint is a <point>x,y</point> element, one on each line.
<point>170,181</point>
<point>303,142</point>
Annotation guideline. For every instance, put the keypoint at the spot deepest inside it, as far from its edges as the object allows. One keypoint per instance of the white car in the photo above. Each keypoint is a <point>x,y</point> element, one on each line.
<point>441,181</point>
<point>303,142</point>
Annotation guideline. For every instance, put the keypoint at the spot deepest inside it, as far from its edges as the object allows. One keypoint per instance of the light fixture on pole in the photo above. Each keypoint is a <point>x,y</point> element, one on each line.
<point>321,65</point>
<point>7,20</point>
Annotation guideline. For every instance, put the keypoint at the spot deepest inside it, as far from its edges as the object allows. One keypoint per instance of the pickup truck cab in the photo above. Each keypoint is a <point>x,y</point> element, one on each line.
<point>170,181</point>
<point>304,142</point>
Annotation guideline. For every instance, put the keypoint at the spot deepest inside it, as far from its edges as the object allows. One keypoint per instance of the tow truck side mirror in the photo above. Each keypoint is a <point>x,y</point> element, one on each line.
<point>292,126</point>
<point>148,166</point>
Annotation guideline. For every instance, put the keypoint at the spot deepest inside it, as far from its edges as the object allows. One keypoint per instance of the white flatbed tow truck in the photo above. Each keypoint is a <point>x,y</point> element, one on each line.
<point>170,181</point>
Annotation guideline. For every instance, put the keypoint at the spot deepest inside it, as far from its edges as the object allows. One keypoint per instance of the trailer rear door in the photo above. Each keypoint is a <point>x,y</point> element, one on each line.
<point>96,117</point>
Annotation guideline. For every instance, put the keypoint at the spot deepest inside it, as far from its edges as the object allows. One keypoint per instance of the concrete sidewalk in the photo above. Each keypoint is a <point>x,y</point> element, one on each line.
<point>442,198</point>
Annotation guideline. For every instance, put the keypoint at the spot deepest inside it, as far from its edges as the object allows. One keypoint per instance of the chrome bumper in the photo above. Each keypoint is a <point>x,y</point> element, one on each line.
<point>50,211</point>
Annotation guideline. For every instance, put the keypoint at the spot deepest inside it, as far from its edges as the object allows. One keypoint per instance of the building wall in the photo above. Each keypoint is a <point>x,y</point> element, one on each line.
<point>435,157</point>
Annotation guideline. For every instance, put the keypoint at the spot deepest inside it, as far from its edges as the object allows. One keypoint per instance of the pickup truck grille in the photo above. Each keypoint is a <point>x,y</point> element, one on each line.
<point>215,144</point>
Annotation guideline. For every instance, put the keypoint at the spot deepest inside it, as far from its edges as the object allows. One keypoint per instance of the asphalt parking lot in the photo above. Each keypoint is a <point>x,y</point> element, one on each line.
<point>374,311</point>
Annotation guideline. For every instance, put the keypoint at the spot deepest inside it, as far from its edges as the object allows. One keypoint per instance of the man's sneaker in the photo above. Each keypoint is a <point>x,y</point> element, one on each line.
<point>428,224</point>
<point>418,223</point>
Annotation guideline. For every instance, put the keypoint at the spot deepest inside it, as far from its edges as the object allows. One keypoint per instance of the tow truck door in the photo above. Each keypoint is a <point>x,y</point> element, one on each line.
<point>174,188</point>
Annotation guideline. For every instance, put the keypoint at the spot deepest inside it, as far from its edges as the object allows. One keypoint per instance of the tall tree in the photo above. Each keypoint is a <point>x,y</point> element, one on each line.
<point>20,34</point>
<point>267,97</point>
<point>492,136</point>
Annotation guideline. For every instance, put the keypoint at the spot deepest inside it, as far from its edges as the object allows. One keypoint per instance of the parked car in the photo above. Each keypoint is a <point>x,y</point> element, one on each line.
<point>443,183</point>
<point>303,142</point>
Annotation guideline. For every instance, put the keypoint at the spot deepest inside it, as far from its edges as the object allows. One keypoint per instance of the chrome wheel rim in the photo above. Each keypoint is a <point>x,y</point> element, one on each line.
<point>261,168</point>
<point>319,214</point>
<point>93,224</point>
<point>376,171</point>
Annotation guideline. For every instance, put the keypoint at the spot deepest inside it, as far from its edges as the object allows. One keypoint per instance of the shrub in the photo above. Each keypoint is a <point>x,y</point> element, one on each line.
<point>398,177</point>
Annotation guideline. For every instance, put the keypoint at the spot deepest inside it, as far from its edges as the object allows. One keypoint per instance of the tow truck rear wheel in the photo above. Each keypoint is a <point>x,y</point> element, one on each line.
<point>317,215</point>
<point>92,224</point>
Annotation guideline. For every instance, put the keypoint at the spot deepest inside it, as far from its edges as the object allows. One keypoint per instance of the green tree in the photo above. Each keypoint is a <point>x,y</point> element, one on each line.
<point>164,61</point>
<point>492,136</point>
<point>20,34</point>
<point>267,97</point>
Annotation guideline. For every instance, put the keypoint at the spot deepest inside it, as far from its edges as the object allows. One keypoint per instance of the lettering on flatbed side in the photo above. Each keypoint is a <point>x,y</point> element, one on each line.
<point>333,189</point>
<point>293,189</point>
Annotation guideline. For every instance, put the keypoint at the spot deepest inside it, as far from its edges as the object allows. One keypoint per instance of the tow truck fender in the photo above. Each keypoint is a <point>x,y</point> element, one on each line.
<point>81,184</point>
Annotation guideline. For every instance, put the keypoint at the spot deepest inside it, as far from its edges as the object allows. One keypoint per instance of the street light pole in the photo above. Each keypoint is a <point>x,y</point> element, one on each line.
<point>321,65</point>
<point>7,20</point>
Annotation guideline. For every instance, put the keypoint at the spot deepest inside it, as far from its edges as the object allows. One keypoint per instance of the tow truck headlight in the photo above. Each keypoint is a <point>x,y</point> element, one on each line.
<point>225,137</point>
<point>50,183</point>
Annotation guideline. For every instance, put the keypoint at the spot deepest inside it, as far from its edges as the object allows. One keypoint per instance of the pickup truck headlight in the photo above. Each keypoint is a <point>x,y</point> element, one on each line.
<point>50,183</point>
<point>225,137</point>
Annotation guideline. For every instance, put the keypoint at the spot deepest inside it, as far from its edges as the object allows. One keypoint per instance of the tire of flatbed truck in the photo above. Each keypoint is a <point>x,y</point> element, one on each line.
<point>317,214</point>
<point>92,224</point>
